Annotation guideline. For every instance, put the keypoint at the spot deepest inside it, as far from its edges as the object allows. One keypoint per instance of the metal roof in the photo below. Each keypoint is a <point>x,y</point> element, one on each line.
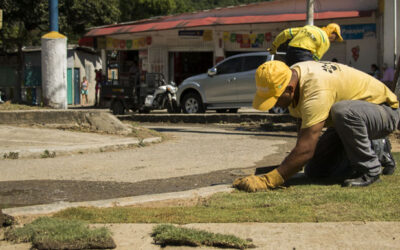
<point>242,14</point>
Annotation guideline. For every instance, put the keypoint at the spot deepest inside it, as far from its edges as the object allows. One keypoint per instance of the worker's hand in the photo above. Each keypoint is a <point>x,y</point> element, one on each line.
<point>272,50</point>
<point>254,183</point>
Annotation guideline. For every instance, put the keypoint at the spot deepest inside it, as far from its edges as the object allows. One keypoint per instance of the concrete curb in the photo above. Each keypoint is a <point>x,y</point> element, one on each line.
<point>45,116</point>
<point>86,148</point>
<point>127,201</point>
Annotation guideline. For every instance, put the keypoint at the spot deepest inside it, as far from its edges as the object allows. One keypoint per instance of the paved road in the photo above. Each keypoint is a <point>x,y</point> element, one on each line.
<point>194,156</point>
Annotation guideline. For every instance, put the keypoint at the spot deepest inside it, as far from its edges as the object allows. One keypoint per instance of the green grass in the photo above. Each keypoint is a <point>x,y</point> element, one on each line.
<point>297,203</point>
<point>172,235</point>
<point>11,106</point>
<point>51,233</point>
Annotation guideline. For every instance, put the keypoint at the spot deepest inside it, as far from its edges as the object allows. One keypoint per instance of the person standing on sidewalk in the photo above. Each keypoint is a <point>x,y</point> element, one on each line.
<point>306,43</point>
<point>356,107</point>
<point>388,75</point>
<point>84,90</point>
<point>99,76</point>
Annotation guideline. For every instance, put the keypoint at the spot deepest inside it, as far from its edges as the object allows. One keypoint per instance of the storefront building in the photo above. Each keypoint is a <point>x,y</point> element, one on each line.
<point>188,44</point>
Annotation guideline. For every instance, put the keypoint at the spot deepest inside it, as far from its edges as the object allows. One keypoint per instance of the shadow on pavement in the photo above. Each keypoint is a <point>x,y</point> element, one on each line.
<point>182,130</point>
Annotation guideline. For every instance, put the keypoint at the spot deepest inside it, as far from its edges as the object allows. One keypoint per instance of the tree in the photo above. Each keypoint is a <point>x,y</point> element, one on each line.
<point>25,21</point>
<point>76,16</point>
<point>141,9</point>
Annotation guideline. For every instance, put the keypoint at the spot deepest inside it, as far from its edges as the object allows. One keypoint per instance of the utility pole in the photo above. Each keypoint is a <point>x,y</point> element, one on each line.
<point>54,63</point>
<point>310,12</point>
<point>1,19</point>
<point>395,32</point>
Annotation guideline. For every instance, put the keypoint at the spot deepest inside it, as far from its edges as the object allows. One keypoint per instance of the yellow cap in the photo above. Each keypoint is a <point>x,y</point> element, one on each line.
<point>333,27</point>
<point>272,79</point>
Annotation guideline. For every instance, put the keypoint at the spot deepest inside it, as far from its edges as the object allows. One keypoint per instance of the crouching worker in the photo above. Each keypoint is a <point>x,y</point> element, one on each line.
<point>358,110</point>
<point>306,43</point>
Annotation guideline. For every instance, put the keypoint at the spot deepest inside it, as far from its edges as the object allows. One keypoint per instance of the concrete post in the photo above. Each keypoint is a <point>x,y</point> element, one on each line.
<point>54,63</point>
<point>54,70</point>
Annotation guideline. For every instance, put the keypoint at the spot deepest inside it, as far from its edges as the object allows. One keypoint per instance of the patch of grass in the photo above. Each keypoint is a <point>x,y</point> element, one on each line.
<point>48,154</point>
<point>52,233</point>
<point>8,105</point>
<point>11,155</point>
<point>298,203</point>
<point>179,236</point>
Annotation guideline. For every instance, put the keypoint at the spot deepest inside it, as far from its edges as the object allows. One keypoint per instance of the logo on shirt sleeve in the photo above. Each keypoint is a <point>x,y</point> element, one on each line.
<point>329,67</point>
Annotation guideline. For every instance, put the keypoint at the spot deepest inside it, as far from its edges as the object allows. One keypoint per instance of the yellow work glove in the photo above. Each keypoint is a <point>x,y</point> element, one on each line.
<point>254,183</point>
<point>272,50</point>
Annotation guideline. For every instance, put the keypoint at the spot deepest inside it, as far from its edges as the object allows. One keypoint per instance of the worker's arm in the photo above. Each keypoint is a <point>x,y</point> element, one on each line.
<point>298,157</point>
<point>302,152</point>
<point>282,37</point>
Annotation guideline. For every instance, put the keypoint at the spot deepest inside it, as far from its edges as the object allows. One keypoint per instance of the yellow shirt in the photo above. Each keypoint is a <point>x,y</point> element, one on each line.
<point>308,37</point>
<point>322,84</point>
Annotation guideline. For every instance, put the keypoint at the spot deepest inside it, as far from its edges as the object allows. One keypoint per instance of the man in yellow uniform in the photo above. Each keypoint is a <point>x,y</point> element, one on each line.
<point>356,107</point>
<point>307,43</point>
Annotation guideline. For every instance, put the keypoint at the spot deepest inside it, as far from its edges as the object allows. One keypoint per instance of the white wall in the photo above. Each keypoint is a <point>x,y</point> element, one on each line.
<point>388,32</point>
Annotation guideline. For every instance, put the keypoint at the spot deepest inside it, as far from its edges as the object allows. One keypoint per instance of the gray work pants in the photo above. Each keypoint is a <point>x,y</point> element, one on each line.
<point>354,143</point>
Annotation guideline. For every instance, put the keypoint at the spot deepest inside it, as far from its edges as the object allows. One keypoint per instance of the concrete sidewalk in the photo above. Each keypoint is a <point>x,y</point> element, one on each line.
<point>31,142</point>
<point>327,235</point>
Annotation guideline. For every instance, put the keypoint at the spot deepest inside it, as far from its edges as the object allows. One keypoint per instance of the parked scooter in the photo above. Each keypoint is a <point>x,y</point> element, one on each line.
<point>164,97</point>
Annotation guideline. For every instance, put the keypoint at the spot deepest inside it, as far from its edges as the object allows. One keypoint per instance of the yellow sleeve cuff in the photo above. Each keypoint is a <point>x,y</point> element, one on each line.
<point>273,179</point>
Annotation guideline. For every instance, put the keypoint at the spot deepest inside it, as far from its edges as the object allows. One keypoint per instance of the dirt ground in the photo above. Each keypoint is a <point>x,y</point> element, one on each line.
<point>94,184</point>
<point>349,235</point>
<point>187,160</point>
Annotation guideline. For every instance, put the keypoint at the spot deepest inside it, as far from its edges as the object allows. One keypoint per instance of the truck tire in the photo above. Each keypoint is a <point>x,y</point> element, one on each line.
<point>192,104</point>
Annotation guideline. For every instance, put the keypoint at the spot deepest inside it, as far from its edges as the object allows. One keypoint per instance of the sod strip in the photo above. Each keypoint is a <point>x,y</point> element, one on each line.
<point>166,234</point>
<point>51,233</point>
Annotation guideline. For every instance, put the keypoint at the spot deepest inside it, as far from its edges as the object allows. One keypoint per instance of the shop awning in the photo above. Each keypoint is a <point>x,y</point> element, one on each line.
<point>167,23</point>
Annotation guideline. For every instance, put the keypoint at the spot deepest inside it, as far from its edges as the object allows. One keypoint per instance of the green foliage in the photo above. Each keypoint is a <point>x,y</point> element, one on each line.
<point>23,22</point>
<point>50,233</point>
<point>76,16</point>
<point>48,154</point>
<point>140,9</point>
<point>11,155</point>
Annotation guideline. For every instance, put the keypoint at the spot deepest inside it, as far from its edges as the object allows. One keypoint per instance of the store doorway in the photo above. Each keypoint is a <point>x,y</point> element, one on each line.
<point>187,64</point>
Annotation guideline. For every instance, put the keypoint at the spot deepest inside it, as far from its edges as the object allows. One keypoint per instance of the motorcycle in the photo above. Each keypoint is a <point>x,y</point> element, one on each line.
<point>164,97</point>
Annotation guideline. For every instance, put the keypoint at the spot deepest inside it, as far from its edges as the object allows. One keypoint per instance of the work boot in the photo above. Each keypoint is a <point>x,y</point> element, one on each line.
<point>388,164</point>
<point>361,181</point>
<point>388,170</point>
<point>382,148</point>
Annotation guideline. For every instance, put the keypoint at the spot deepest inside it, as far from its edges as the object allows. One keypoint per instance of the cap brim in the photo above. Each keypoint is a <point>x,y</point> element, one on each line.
<point>339,38</point>
<point>263,104</point>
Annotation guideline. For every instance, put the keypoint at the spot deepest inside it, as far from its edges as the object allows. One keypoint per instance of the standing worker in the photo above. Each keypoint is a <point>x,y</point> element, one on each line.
<point>306,43</point>
<point>356,107</point>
